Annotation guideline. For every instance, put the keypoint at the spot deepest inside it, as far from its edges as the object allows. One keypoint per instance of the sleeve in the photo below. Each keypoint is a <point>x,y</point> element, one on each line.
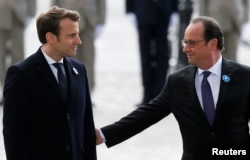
<point>14,114</point>
<point>130,6</point>
<point>138,120</point>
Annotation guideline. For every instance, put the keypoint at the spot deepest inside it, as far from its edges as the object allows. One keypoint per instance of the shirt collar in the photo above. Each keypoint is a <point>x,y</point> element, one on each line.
<point>215,69</point>
<point>50,60</point>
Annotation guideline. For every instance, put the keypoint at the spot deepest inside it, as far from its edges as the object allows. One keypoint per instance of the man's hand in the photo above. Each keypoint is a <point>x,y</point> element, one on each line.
<point>99,139</point>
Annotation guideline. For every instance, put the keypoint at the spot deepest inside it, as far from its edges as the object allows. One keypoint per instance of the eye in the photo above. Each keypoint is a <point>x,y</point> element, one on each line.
<point>190,42</point>
<point>72,35</point>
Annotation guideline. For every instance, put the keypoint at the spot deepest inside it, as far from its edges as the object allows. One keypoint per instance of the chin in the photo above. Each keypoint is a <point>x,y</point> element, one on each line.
<point>191,62</point>
<point>72,54</point>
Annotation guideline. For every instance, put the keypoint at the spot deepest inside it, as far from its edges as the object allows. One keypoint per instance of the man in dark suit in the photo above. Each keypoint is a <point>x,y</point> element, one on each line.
<point>225,127</point>
<point>39,122</point>
<point>152,26</point>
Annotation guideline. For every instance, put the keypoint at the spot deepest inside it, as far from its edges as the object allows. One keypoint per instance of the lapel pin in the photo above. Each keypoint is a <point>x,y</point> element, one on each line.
<point>75,71</point>
<point>225,78</point>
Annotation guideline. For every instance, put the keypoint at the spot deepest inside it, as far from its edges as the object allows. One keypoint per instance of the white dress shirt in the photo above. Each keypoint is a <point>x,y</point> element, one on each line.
<point>214,80</point>
<point>51,62</point>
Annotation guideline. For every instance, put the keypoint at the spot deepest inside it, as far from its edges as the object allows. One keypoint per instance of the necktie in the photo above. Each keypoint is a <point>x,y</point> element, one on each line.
<point>61,79</point>
<point>207,98</point>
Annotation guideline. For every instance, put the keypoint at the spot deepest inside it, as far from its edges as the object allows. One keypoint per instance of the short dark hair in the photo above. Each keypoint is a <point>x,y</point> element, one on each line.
<point>49,21</point>
<point>212,29</point>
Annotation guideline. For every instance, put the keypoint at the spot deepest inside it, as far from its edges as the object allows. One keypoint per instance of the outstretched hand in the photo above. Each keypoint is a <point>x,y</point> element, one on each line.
<point>99,139</point>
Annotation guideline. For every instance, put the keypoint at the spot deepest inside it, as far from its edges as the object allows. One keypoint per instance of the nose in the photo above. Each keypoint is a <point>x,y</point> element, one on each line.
<point>78,40</point>
<point>185,48</point>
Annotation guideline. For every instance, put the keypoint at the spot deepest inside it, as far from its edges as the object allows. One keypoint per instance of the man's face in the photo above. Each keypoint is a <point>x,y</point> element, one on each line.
<point>68,39</point>
<point>194,45</point>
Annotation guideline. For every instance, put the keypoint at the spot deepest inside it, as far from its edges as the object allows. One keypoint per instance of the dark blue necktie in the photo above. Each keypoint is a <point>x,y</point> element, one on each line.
<point>61,79</point>
<point>207,98</point>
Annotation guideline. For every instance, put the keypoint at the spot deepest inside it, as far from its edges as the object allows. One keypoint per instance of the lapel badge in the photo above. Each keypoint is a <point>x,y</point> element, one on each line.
<point>226,78</point>
<point>75,71</point>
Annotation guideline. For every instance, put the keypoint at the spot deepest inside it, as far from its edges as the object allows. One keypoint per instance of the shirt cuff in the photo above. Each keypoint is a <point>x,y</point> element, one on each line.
<point>103,137</point>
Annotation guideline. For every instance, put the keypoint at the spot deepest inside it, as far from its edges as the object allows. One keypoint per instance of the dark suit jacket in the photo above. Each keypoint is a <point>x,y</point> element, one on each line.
<point>150,12</point>
<point>179,97</point>
<point>38,124</point>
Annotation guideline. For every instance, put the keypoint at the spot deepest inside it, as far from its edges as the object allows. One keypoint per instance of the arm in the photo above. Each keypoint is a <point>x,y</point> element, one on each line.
<point>89,128</point>
<point>14,115</point>
<point>130,6</point>
<point>137,121</point>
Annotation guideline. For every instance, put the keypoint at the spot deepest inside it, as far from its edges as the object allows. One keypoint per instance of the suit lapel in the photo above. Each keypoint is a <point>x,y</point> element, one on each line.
<point>45,71</point>
<point>191,73</point>
<point>191,84</point>
<point>72,74</point>
<point>227,70</point>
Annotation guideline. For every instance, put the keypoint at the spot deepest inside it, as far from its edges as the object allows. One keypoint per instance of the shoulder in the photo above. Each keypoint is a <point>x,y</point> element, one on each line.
<point>234,66</point>
<point>74,62</point>
<point>182,76</point>
<point>75,65</point>
<point>190,69</point>
<point>239,73</point>
<point>30,62</point>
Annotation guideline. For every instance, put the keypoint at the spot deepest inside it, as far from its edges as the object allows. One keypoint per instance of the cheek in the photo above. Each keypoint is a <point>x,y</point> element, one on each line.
<point>203,56</point>
<point>186,49</point>
<point>197,56</point>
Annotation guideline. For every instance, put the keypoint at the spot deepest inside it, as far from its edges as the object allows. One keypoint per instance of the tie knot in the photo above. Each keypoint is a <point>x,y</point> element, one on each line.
<point>58,65</point>
<point>206,74</point>
<point>60,68</point>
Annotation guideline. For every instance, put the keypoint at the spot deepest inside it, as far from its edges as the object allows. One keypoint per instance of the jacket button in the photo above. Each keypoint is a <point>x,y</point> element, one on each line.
<point>68,116</point>
<point>67,147</point>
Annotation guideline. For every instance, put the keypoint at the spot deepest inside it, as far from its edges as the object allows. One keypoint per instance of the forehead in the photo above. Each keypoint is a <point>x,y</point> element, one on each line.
<point>68,24</point>
<point>194,31</point>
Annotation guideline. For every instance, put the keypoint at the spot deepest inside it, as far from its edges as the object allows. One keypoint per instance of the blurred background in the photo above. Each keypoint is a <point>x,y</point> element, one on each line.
<point>118,85</point>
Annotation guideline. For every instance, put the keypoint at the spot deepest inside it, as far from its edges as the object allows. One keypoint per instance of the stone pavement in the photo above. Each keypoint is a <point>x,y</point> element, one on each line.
<point>118,89</point>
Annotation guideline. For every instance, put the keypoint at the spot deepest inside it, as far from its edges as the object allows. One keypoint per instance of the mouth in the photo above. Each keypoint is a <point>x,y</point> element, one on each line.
<point>189,55</point>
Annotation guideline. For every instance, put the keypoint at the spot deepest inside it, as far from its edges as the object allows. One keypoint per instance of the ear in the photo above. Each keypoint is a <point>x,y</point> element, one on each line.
<point>214,43</point>
<point>50,37</point>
